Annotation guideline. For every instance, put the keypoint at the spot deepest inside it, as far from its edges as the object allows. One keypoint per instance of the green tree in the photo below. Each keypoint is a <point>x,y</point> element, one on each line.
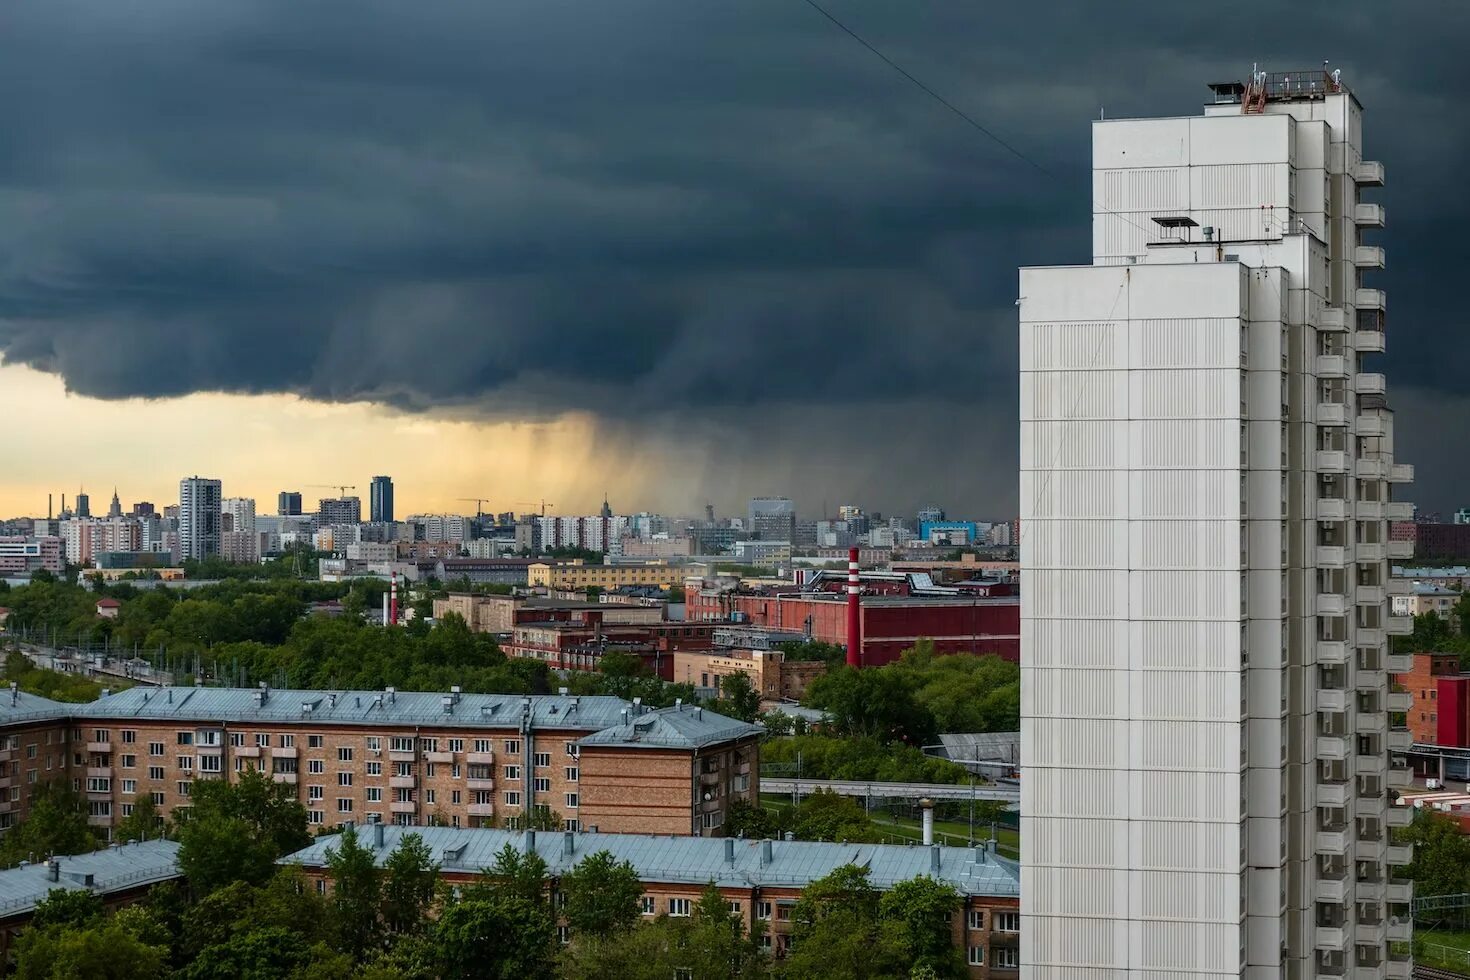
<point>519,875</point>
<point>873,703</point>
<point>411,882</point>
<point>67,907</point>
<point>738,699</point>
<point>835,930</point>
<point>103,950</point>
<point>356,894</point>
<point>602,895</point>
<point>1441,864</point>
<point>144,823</point>
<point>916,915</point>
<point>217,850</point>
<point>824,815</point>
<point>502,937</point>
<point>745,819</point>
<point>56,824</point>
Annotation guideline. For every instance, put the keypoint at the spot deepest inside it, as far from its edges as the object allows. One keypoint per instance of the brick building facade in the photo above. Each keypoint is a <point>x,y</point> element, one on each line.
<point>1439,713</point>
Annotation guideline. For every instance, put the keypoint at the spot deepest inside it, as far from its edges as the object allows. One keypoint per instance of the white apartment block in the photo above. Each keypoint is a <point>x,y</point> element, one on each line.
<point>1207,473</point>
<point>199,517</point>
<point>241,511</point>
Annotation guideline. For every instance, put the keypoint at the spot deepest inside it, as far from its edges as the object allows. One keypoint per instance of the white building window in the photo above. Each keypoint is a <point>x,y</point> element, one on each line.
<point>976,956</point>
<point>679,907</point>
<point>1005,921</point>
<point>1005,957</point>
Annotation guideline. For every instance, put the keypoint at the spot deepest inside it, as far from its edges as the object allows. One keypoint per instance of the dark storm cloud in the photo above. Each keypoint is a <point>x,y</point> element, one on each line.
<point>712,211</point>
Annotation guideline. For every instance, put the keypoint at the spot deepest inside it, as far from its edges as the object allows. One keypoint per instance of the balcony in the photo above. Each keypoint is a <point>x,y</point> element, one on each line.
<point>1369,341</point>
<point>1401,473</point>
<point>1331,937</point>
<point>99,772</point>
<point>1399,663</point>
<point>1371,469</point>
<point>1331,747</point>
<point>99,748</point>
<point>1368,257</point>
<point>482,809</point>
<point>284,752</point>
<point>485,784</point>
<point>445,757</point>
<point>212,750</point>
<point>1332,319</point>
<point>1398,969</point>
<point>1369,215</point>
<point>1331,461</point>
<point>1399,854</point>
<point>1370,426</point>
<point>409,756</point>
<point>1332,700</point>
<point>1400,929</point>
<point>289,778</point>
<point>1331,652</point>
<point>1333,891</point>
<point>480,758</point>
<point>1331,366</point>
<point>1370,723</point>
<point>1332,509</point>
<point>1399,891</point>
<point>1368,891</point>
<point>1400,550</point>
<point>1398,625</point>
<point>1368,173</point>
<point>1401,510</point>
<point>1332,413</point>
<point>403,806</point>
<point>1368,510</point>
<point>1370,299</point>
<point>1331,604</point>
<point>1370,550</point>
<point>98,821</point>
<point>1398,777</point>
<point>1369,383</point>
<point>1331,556</point>
<point>246,751</point>
<point>402,782</point>
<point>1400,701</point>
<point>1368,637</point>
<point>1369,595</point>
<point>1370,765</point>
<point>1399,817</point>
<point>1368,933</point>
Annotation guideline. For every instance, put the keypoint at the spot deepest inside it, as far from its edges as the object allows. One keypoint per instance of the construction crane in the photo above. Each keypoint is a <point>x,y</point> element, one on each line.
<point>532,503</point>
<point>341,488</point>
<point>479,503</point>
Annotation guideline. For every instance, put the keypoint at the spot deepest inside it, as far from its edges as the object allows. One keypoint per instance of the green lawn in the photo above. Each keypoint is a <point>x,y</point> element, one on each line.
<point>1447,949</point>
<point>900,829</point>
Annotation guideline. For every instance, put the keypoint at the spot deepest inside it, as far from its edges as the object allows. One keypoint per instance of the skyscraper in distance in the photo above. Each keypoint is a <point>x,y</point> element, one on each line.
<point>380,507</point>
<point>199,517</point>
<point>1207,473</point>
<point>84,504</point>
<point>288,503</point>
<point>773,518</point>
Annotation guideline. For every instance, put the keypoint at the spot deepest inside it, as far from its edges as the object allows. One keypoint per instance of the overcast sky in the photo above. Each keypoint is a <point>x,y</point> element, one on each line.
<point>740,252</point>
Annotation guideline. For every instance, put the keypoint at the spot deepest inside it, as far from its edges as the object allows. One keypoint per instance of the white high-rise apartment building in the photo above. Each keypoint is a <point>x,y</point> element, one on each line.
<point>199,517</point>
<point>1207,473</point>
<point>241,511</point>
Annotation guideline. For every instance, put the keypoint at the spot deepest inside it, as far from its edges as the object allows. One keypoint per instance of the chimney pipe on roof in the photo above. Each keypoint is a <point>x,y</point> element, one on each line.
<point>934,859</point>
<point>854,612</point>
<point>568,843</point>
<point>926,810</point>
<point>530,847</point>
<point>729,850</point>
<point>766,851</point>
<point>392,599</point>
<point>378,835</point>
<point>53,869</point>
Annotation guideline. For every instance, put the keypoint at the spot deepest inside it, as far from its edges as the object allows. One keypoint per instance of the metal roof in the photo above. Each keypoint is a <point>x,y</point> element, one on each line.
<point>699,860</point>
<point>18,706</point>
<point>982,746</point>
<point>241,705</point>
<point>680,727</point>
<point>113,869</point>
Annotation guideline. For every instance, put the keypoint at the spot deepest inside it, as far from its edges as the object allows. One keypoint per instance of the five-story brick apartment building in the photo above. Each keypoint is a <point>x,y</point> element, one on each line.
<point>462,760</point>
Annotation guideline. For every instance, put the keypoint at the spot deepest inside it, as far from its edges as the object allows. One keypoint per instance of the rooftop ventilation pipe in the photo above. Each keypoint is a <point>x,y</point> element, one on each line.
<point>378,835</point>
<point>926,808</point>
<point>729,850</point>
<point>935,857</point>
<point>766,851</point>
<point>568,843</point>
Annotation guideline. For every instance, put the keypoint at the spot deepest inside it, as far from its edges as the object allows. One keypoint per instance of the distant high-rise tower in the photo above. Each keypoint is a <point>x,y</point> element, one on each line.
<point>241,511</point>
<point>1207,475</point>
<point>288,503</point>
<point>115,510</point>
<point>773,518</point>
<point>606,507</point>
<point>84,505</point>
<point>199,517</point>
<point>380,505</point>
<point>339,510</point>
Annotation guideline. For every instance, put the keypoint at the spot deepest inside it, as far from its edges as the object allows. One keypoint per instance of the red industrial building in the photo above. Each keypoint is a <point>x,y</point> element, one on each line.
<point>567,643</point>
<point>895,610</point>
<point>1440,713</point>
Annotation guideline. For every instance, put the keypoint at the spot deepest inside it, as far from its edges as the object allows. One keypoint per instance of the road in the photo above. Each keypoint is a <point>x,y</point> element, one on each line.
<point>906,791</point>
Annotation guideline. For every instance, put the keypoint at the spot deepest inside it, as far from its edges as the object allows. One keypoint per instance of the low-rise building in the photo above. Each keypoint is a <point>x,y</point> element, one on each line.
<point>762,880</point>
<point>1426,597</point>
<point>30,554</point>
<point>579,577</point>
<point>579,642</point>
<point>661,547</point>
<point>1439,713</point>
<point>771,674</point>
<point>108,608</point>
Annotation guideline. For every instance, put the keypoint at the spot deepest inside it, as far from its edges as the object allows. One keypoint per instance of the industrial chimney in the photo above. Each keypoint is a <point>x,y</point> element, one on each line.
<point>393,599</point>
<point>854,612</point>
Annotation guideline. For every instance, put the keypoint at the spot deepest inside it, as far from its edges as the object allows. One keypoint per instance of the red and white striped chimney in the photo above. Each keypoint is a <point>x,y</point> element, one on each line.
<point>854,612</point>
<point>393,599</point>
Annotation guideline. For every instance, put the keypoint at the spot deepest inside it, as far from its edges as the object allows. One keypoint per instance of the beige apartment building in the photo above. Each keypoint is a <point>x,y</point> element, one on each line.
<point>461,760</point>
<point>501,613</point>
<point>582,577</point>
<point>771,675</point>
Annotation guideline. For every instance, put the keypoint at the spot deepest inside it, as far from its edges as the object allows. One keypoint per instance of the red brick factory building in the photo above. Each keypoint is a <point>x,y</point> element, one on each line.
<point>896,609</point>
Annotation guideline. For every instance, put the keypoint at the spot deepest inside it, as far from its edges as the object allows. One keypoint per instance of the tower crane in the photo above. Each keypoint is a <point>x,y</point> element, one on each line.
<point>341,488</point>
<point>479,503</point>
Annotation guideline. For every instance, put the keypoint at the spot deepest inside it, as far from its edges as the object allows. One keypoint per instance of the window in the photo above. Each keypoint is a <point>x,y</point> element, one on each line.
<point>512,746</point>
<point>456,745</point>
<point>316,766</point>
<point>482,745</point>
<point>428,745</point>
<point>543,759</point>
<point>344,779</point>
<point>512,799</point>
<point>130,786</point>
<point>344,753</point>
<point>128,735</point>
<point>375,794</point>
<point>130,762</point>
<point>99,784</point>
<point>512,772</point>
<point>402,743</point>
<point>1005,957</point>
<point>563,934</point>
<point>765,940</point>
<point>375,769</point>
<point>572,825</point>
<point>976,956</point>
<point>678,907</point>
<point>185,789</point>
<point>454,771</point>
<point>155,748</point>
<point>454,796</point>
<point>572,774</point>
<point>1005,921</point>
<point>783,913</point>
<point>428,770</point>
<point>317,816</point>
<point>571,800</point>
<point>763,910</point>
<point>315,792</point>
<point>430,797</point>
<point>155,772</point>
<point>542,785</point>
<point>571,748</point>
<point>211,738</point>
<point>157,797</point>
<point>31,751</point>
<point>315,741</point>
<point>287,741</point>
<point>263,740</point>
<point>645,904</point>
<point>101,735</point>
<point>127,809</point>
<point>321,883</point>
<point>734,906</point>
<point>186,762</point>
<point>237,739</point>
<point>210,763</point>
<point>374,743</point>
<point>403,768</point>
<point>344,804</point>
<point>184,738</point>
<point>712,820</point>
<point>975,919</point>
